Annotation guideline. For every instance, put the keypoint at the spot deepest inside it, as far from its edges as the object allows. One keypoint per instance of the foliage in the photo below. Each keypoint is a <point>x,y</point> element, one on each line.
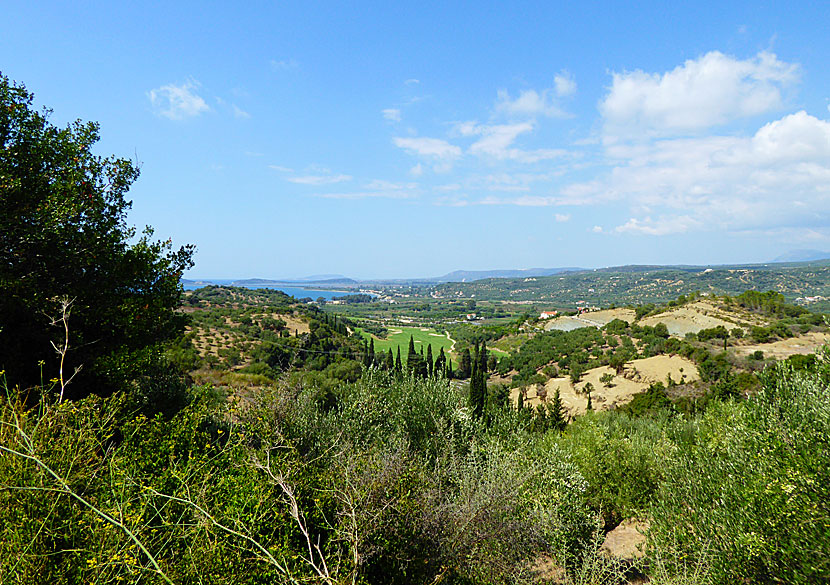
<point>65,243</point>
<point>747,485</point>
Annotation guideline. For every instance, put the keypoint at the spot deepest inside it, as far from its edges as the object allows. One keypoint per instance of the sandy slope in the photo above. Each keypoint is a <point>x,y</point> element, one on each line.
<point>636,377</point>
<point>784,348</point>
<point>699,315</point>
<point>594,319</point>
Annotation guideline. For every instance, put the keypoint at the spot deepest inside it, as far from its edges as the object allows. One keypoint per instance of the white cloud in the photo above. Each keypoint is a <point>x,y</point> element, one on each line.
<point>597,229</point>
<point>417,170</point>
<point>429,147</point>
<point>177,102</point>
<point>319,179</point>
<point>412,82</point>
<point>777,178</point>
<point>564,84</point>
<point>392,114</point>
<point>562,217</point>
<point>496,141</point>
<point>664,226</point>
<point>711,90</point>
<point>240,113</point>
<point>529,103</point>
<point>382,185</point>
<point>277,167</point>
<point>368,195</point>
<point>283,64</point>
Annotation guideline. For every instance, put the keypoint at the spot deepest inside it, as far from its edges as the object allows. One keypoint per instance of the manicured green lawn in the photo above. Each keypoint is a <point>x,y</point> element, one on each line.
<point>399,336</point>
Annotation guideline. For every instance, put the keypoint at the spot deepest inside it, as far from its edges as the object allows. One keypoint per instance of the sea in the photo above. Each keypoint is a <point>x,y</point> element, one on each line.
<point>296,292</point>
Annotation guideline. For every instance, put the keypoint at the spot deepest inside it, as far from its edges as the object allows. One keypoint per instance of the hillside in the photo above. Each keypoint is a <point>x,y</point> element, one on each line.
<point>805,283</point>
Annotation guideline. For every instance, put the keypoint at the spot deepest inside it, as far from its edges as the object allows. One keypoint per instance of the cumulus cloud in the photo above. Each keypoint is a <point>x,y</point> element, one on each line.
<point>429,147</point>
<point>562,217</point>
<point>778,177</point>
<point>319,179</point>
<point>392,114</point>
<point>177,102</point>
<point>564,84</point>
<point>711,90</point>
<point>529,103</point>
<point>417,170</point>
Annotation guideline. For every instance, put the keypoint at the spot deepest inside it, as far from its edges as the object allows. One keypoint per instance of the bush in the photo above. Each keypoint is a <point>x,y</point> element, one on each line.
<point>748,486</point>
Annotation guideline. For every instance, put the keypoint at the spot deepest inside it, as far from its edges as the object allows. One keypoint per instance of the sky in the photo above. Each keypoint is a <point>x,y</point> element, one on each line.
<point>410,139</point>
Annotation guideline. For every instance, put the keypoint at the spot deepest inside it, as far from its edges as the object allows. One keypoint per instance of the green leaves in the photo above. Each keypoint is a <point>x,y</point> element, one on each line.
<point>64,234</point>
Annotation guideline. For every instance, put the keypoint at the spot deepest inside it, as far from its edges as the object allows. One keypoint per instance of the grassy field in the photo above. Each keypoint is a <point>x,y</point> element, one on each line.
<point>423,336</point>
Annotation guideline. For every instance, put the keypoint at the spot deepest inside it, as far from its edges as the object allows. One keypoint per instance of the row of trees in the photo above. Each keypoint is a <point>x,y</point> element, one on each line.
<point>421,365</point>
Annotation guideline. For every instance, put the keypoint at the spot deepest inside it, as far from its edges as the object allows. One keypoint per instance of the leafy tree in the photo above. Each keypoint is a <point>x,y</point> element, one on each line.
<point>68,256</point>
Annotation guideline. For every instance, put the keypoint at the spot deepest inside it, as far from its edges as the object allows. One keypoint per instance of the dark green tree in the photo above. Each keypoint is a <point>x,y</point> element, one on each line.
<point>556,413</point>
<point>429,362</point>
<point>478,382</point>
<point>371,351</point>
<point>398,363</point>
<point>465,365</point>
<point>390,361</point>
<point>440,366</point>
<point>69,257</point>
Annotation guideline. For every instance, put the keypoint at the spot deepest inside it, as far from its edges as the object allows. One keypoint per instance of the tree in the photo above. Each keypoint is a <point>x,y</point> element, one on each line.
<point>430,362</point>
<point>478,381</point>
<point>64,238</point>
<point>440,366</point>
<point>556,413</point>
<point>398,363</point>
<point>465,366</point>
<point>390,361</point>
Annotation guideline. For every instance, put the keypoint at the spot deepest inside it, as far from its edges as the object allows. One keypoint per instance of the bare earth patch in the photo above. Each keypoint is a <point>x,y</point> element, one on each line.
<point>593,319</point>
<point>693,317</point>
<point>784,348</point>
<point>636,377</point>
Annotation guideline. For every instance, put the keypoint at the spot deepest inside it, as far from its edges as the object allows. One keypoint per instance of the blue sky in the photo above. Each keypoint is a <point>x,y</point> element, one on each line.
<point>412,139</point>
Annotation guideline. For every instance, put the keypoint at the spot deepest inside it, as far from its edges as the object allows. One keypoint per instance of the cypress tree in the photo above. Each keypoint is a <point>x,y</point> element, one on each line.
<point>411,355</point>
<point>465,367</point>
<point>440,366</point>
<point>429,363</point>
<point>556,413</point>
<point>390,361</point>
<point>478,384</point>
<point>371,351</point>
<point>398,364</point>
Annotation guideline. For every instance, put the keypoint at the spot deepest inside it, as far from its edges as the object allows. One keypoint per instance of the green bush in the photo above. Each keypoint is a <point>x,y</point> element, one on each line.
<point>748,486</point>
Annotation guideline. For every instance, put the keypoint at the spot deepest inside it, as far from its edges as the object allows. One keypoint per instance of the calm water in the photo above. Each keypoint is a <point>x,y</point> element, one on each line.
<point>296,292</point>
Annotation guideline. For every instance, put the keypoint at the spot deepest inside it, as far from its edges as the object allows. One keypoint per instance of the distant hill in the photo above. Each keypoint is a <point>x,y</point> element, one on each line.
<point>473,275</point>
<point>248,282</point>
<point>803,256</point>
